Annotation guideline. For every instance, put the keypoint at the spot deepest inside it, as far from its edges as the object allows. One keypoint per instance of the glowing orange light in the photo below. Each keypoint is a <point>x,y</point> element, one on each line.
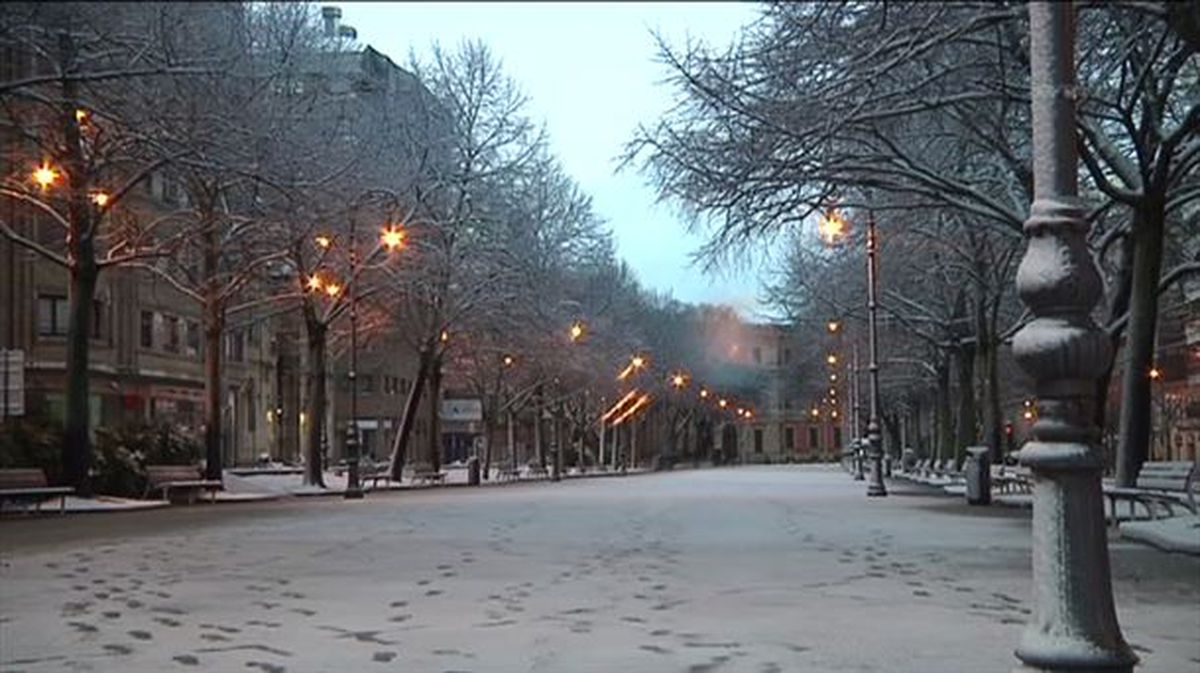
<point>314,282</point>
<point>815,412</point>
<point>638,362</point>
<point>333,289</point>
<point>324,241</point>
<point>620,403</point>
<point>833,377</point>
<point>392,238</point>
<point>832,359</point>
<point>703,394</point>
<point>833,392</point>
<point>678,380</point>
<point>722,403</point>
<point>508,360</point>
<point>81,116</point>
<point>1155,374</point>
<point>642,401</point>
<point>576,331</point>
<point>45,176</point>
<point>834,325</point>
<point>833,414</point>
<point>1028,415</point>
<point>101,199</point>
<point>749,414</point>
<point>445,336</point>
<point>832,226</point>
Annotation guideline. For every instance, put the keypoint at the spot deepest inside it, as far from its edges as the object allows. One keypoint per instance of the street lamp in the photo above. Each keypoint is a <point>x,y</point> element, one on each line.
<point>832,227</point>
<point>45,175</point>
<point>391,239</point>
<point>1074,622</point>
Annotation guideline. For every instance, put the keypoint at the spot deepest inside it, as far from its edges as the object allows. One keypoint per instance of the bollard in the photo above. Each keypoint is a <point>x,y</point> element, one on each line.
<point>473,471</point>
<point>979,475</point>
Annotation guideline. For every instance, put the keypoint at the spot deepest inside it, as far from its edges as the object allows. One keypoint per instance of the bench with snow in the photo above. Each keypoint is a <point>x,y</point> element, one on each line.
<point>1012,479</point>
<point>184,479</point>
<point>374,474</point>
<point>429,476</point>
<point>29,485</point>
<point>508,474</point>
<point>538,470</point>
<point>1162,485</point>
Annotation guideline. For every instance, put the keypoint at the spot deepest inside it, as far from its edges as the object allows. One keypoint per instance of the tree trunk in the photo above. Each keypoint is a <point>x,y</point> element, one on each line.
<point>1118,305</point>
<point>512,444</point>
<point>83,274</point>
<point>993,415</point>
<point>489,425</point>
<point>967,421</point>
<point>314,470</point>
<point>943,418</point>
<point>77,450</point>
<point>411,405</point>
<point>214,327</point>
<point>539,449</point>
<point>1139,343</point>
<point>434,450</point>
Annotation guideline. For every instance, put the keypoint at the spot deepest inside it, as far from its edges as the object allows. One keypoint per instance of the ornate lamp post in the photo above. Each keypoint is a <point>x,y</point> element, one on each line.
<point>831,228</point>
<point>875,485</point>
<point>1074,624</point>
<point>353,483</point>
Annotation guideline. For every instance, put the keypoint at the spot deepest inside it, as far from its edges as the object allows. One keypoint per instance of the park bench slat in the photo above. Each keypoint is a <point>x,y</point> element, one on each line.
<point>1164,483</point>
<point>166,477</point>
<point>30,484</point>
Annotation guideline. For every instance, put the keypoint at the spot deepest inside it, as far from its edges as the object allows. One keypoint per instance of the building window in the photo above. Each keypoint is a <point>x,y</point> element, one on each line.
<point>147,329</point>
<point>758,440</point>
<point>787,356</point>
<point>251,409</point>
<point>171,324</point>
<point>193,337</point>
<point>98,319</point>
<point>789,438</point>
<point>235,346</point>
<point>814,438</point>
<point>368,384</point>
<point>403,386</point>
<point>52,315</point>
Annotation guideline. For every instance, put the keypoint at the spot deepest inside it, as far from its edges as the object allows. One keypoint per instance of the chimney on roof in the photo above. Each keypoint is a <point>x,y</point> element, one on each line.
<point>331,17</point>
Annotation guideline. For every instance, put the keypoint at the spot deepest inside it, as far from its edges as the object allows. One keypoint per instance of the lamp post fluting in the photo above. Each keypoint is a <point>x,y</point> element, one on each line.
<point>875,486</point>
<point>1074,623</point>
<point>353,483</point>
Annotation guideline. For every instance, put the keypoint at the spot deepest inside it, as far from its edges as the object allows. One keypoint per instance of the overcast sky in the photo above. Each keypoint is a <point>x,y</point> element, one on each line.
<point>590,73</point>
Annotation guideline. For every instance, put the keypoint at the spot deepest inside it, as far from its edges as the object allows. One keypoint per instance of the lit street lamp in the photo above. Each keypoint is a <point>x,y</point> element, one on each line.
<point>832,226</point>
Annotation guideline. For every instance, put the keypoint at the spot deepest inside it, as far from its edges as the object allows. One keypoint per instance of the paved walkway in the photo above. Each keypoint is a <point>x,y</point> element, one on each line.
<point>753,569</point>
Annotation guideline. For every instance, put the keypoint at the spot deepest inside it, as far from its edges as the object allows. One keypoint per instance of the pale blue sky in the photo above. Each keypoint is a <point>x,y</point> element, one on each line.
<point>590,73</point>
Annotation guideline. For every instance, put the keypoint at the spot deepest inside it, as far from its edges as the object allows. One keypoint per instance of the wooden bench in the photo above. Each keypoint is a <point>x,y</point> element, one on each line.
<point>29,484</point>
<point>429,476</point>
<point>186,478</point>
<point>1159,485</point>
<point>1012,480</point>
<point>376,474</point>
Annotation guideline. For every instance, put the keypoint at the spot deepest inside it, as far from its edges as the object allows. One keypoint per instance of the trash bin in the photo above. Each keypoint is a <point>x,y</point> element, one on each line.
<point>979,475</point>
<point>473,471</point>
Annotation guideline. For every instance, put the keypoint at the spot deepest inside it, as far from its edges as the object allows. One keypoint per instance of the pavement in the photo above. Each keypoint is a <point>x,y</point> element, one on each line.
<point>757,569</point>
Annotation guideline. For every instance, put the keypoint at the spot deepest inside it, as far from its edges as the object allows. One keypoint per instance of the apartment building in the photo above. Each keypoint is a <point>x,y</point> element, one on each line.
<point>148,348</point>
